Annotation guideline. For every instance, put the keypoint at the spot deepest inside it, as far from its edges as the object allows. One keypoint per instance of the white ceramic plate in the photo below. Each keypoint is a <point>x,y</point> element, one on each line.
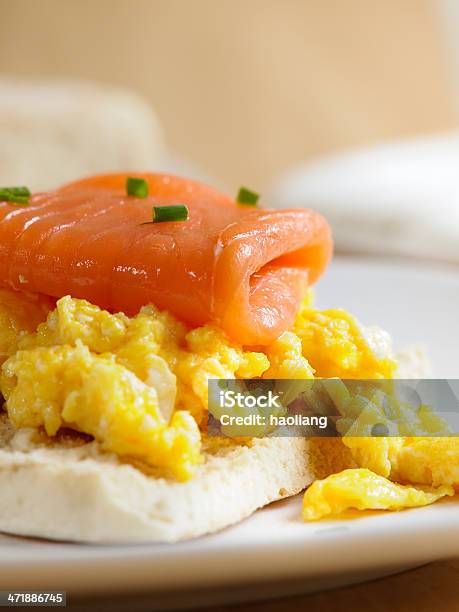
<point>274,551</point>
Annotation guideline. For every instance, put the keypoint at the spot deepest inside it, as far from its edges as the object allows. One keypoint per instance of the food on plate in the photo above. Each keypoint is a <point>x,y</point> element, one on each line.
<point>362,489</point>
<point>240,267</point>
<point>122,296</point>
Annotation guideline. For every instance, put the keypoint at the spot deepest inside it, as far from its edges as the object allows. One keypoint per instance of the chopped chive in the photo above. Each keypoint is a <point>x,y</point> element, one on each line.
<point>15,195</point>
<point>137,187</point>
<point>176,212</point>
<point>19,191</point>
<point>245,197</point>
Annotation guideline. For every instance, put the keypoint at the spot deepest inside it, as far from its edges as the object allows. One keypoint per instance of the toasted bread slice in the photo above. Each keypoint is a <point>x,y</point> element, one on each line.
<point>66,488</point>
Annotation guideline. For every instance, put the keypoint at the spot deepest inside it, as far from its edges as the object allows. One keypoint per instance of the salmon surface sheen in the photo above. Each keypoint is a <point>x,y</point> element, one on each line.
<point>242,268</point>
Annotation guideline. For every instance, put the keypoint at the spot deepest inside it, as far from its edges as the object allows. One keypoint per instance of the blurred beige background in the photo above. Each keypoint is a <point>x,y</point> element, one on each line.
<point>245,88</point>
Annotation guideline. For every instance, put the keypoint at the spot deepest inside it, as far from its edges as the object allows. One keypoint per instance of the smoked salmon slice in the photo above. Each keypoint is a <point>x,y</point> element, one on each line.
<point>242,268</point>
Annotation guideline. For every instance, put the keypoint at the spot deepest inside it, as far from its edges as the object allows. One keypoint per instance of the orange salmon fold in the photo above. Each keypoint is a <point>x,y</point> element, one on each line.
<point>242,268</point>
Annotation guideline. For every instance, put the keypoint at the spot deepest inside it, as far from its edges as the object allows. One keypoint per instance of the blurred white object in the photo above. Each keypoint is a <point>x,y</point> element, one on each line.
<point>51,133</point>
<point>401,198</point>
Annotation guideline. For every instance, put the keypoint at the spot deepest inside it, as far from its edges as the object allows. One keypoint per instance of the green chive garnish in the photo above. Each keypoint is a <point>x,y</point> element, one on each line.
<point>137,187</point>
<point>245,197</point>
<point>176,212</point>
<point>15,195</point>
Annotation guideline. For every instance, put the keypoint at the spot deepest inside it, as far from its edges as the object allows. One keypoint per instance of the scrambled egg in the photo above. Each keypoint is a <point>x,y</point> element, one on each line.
<point>334,345</point>
<point>72,387</point>
<point>139,386</point>
<point>363,490</point>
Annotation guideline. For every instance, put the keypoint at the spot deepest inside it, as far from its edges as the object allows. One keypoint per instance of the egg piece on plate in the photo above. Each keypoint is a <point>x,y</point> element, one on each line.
<point>363,490</point>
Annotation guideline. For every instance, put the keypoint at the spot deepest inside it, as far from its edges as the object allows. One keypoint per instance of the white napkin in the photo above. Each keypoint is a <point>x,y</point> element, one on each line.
<point>401,198</point>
